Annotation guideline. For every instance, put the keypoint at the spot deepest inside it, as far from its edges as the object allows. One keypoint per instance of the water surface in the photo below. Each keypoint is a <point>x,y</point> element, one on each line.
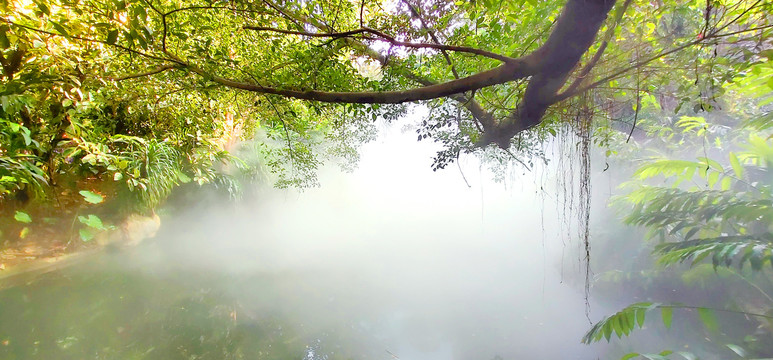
<point>391,261</point>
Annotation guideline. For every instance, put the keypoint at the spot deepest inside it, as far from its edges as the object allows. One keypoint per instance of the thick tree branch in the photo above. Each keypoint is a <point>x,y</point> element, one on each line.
<point>502,74</point>
<point>549,66</point>
<point>600,51</point>
<point>478,112</point>
<point>484,117</point>
<point>575,31</point>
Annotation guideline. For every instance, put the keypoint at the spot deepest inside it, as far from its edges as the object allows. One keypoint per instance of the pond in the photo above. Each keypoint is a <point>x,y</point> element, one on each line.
<point>393,261</point>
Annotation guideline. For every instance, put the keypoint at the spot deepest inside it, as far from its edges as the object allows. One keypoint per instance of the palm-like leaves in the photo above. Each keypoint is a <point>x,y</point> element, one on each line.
<point>726,220</point>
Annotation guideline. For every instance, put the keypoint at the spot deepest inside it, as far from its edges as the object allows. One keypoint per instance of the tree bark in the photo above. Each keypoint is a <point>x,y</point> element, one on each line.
<point>575,32</point>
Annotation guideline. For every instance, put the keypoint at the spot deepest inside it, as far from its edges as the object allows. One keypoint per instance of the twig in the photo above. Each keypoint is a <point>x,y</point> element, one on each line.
<point>432,35</point>
<point>157,70</point>
<point>130,50</point>
<point>714,309</point>
<point>565,95</point>
<point>517,159</point>
<point>638,102</point>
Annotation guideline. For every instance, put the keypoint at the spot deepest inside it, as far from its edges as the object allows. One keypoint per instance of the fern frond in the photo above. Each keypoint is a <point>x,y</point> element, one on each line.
<point>685,213</point>
<point>724,250</point>
<point>625,321</point>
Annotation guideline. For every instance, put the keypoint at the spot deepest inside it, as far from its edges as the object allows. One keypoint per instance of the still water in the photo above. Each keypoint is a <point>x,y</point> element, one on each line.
<point>392,261</point>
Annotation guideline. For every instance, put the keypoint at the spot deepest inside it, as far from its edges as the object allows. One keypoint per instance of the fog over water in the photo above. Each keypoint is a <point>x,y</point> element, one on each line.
<point>398,260</point>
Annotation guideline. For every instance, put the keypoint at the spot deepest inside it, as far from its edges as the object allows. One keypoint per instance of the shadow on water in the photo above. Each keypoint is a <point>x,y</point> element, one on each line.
<point>392,261</point>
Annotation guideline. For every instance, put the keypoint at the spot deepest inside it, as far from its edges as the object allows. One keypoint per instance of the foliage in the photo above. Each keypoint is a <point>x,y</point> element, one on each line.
<point>19,170</point>
<point>93,224</point>
<point>163,69</point>
<point>625,321</point>
<point>716,208</point>
<point>90,197</point>
<point>727,218</point>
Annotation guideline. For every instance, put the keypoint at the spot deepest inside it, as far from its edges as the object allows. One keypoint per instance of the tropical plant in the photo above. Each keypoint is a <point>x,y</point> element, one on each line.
<point>710,210</point>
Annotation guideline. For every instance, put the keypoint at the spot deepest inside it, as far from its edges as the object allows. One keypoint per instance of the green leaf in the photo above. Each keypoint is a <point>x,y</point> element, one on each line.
<point>85,234</point>
<point>92,221</point>
<point>640,313</point>
<point>616,326</point>
<point>691,233</point>
<point>183,178</point>
<point>22,217</point>
<point>112,37</point>
<point>737,349</point>
<point>43,8</point>
<point>629,356</point>
<point>726,183</point>
<point>708,319</point>
<point>27,137</point>
<point>712,179</point>
<point>630,320</point>
<point>667,314</point>
<point>4,41</point>
<point>737,168</point>
<point>607,331</point>
<point>91,197</point>
<point>59,28</point>
<point>687,355</point>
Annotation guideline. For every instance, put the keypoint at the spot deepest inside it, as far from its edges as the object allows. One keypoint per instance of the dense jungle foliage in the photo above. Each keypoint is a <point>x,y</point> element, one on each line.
<point>704,196</point>
<point>106,107</point>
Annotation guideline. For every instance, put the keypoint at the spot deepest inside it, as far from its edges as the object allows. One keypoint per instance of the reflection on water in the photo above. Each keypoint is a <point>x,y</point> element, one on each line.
<point>98,312</point>
<point>392,262</point>
<point>110,309</point>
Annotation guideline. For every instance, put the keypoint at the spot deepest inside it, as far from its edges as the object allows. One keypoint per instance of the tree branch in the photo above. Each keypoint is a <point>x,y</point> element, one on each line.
<point>597,56</point>
<point>157,70</point>
<point>389,39</point>
<point>480,114</point>
<point>565,95</point>
<point>502,74</point>
<point>576,29</point>
<point>127,49</point>
<point>229,8</point>
<point>715,35</point>
<point>280,11</point>
<point>432,35</point>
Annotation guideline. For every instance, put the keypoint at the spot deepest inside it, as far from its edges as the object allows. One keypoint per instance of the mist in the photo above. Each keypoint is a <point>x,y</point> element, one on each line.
<point>397,260</point>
